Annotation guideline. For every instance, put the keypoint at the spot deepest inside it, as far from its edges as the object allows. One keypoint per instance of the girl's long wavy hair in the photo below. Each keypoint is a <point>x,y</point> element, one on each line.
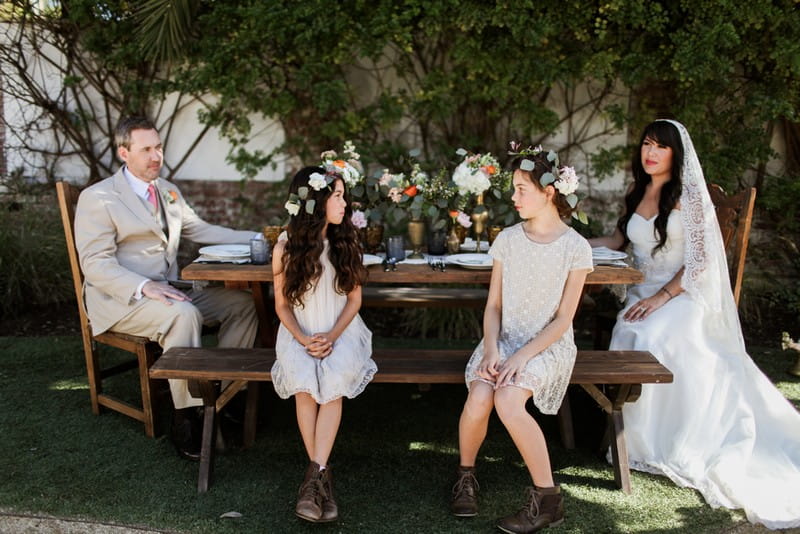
<point>664,133</point>
<point>301,257</point>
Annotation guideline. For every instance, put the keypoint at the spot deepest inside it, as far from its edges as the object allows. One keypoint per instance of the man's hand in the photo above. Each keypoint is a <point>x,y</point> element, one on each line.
<point>162,292</point>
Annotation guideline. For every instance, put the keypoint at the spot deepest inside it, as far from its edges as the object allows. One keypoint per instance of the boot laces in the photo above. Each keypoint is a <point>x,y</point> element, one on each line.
<point>314,488</point>
<point>532,506</point>
<point>466,483</point>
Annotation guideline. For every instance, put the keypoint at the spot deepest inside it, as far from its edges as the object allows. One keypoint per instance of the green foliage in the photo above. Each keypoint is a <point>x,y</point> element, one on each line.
<point>33,256</point>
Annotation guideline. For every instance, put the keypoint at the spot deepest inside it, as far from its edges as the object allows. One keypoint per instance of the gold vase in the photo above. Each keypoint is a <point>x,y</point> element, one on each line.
<point>453,239</point>
<point>493,231</point>
<point>479,218</point>
<point>416,236</point>
<point>271,234</point>
<point>372,237</point>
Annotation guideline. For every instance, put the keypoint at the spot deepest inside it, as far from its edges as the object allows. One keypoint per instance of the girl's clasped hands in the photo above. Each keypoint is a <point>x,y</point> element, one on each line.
<point>501,373</point>
<point>319,345</point>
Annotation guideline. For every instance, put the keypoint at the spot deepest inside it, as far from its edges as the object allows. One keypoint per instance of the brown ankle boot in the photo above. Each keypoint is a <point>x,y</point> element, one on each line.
<point>310,495</point>
<point>544,508</point>
<point>330,510</point>
<point>465,493</point>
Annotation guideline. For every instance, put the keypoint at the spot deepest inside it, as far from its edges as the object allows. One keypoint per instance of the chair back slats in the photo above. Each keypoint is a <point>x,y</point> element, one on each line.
<point>67,201</point>
<point>735,216</point>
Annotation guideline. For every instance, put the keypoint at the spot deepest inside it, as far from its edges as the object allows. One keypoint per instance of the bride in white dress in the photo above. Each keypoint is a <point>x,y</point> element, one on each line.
<point>721,427</point>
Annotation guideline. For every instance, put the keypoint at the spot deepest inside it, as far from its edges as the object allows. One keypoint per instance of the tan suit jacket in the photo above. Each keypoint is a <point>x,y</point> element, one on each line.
<point>120,244</point>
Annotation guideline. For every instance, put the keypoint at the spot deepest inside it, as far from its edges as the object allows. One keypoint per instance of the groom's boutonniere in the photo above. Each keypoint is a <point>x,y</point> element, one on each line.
<point>170,196</point>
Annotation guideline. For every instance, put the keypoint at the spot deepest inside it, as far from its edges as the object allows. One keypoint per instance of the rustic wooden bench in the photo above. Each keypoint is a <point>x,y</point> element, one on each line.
<point>612,378</point>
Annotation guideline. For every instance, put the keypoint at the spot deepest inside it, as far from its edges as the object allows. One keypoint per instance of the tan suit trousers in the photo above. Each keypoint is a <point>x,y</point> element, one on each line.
<point>180,325</point>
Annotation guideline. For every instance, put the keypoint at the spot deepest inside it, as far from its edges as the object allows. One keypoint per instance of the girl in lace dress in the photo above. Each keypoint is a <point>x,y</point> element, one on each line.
<point>527,350</point>
<point>323,347</point>
<point>721,426</point>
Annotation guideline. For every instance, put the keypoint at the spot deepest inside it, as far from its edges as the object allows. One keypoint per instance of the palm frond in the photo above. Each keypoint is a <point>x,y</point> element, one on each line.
<point>165,27</point>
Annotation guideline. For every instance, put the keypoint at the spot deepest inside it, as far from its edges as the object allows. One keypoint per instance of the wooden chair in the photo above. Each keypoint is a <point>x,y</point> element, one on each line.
<point>145,350</point>
<point>735,215</point>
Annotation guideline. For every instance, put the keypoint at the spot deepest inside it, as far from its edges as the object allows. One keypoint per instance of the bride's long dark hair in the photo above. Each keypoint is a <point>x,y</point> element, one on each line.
<point>663,133</point>
<point>301,257</point>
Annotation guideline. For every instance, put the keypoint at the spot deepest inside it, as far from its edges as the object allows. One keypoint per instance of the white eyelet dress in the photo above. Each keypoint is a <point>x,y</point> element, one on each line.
<point>534,276</point>
<point>349,367</point>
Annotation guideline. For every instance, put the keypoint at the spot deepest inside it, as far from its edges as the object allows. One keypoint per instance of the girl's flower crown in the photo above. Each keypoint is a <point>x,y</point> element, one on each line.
<point>316,181</point>
<point>565,179</point>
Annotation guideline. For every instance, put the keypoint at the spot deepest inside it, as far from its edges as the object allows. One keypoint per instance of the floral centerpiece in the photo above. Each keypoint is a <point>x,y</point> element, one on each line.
<point>348,165</point>
<point>474,174</point>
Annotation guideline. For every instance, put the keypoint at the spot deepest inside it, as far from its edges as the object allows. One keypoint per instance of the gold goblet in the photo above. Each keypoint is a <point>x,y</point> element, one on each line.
<point>416,236</point>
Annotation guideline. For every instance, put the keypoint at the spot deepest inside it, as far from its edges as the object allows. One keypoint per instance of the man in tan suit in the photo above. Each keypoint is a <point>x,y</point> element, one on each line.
<point>127,231</point>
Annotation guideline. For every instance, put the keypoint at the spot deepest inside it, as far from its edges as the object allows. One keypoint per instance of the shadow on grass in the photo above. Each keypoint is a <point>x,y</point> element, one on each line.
<point>394,462</point>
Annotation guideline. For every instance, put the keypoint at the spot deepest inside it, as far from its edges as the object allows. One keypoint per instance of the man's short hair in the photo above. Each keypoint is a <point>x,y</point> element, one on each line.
<point>122,134</point>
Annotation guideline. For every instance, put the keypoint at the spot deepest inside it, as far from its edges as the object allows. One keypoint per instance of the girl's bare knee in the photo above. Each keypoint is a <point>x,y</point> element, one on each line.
<point>509,403</point>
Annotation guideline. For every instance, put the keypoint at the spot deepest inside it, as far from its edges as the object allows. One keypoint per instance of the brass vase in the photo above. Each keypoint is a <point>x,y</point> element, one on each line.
<point>372,237</point>
<point>416,236</point>
<point>479,217</point>
<point>271,234</point>
<point>493,231</point>
<point>453,239</point>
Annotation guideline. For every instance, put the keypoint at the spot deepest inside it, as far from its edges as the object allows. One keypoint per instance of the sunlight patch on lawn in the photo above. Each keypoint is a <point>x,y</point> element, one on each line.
<point>432,447</point>
<point>69,385</point>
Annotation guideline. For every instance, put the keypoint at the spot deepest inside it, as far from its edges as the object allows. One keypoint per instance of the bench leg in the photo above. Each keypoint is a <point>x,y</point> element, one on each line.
<point>619,452</point>
<point>565,424</point>
<point>205,476</point>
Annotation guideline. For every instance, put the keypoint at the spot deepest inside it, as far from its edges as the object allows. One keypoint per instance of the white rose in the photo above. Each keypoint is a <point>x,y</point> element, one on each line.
<point>470,180</point>
<point>317,181</point>
<point>292,207</point>
<point>567,182</point>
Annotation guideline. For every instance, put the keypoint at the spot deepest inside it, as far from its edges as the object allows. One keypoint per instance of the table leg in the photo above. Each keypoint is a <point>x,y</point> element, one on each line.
<point>265,309</point>
<point>565,424</point>
<point>251,414</point>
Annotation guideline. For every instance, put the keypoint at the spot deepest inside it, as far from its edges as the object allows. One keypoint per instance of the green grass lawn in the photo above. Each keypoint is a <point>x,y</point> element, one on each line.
<point>394,461</point>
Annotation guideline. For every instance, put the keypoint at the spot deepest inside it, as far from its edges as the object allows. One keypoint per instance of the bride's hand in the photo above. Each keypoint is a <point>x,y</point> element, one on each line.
<point>642,309</point>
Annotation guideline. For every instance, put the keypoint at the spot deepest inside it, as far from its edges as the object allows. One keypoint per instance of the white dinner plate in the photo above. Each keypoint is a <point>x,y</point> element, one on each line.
<point>605,253</point>
<point>471,261</point>
<point>226,252</point>
<point>371,259</point>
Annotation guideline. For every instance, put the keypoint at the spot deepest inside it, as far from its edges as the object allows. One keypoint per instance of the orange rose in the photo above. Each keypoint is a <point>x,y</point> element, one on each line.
<point>490,169</point>
<point>453,213</point>
<point>173,195</point>
<point>410,191</point>
<point>339,163</point>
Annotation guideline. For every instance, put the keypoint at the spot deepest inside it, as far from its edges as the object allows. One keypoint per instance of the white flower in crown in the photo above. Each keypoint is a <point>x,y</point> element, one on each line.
<point>293,207</point>
<point>567,182</point>
<point>317,181</point>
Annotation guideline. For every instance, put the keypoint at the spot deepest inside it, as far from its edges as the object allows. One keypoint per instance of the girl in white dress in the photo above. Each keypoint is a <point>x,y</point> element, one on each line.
<point>323,347</point>
<point>721,427</point>
<point>527,350</point>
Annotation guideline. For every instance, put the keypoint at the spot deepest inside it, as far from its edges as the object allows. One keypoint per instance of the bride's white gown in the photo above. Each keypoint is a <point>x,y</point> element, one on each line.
<point>721,427</point>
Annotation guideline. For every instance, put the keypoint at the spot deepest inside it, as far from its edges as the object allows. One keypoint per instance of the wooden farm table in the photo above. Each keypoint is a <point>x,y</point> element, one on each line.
<point>258,278</point>
<point>405,274</point>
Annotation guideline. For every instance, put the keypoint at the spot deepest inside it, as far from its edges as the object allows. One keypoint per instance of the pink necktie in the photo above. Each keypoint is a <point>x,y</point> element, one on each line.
<point>151,196</point>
